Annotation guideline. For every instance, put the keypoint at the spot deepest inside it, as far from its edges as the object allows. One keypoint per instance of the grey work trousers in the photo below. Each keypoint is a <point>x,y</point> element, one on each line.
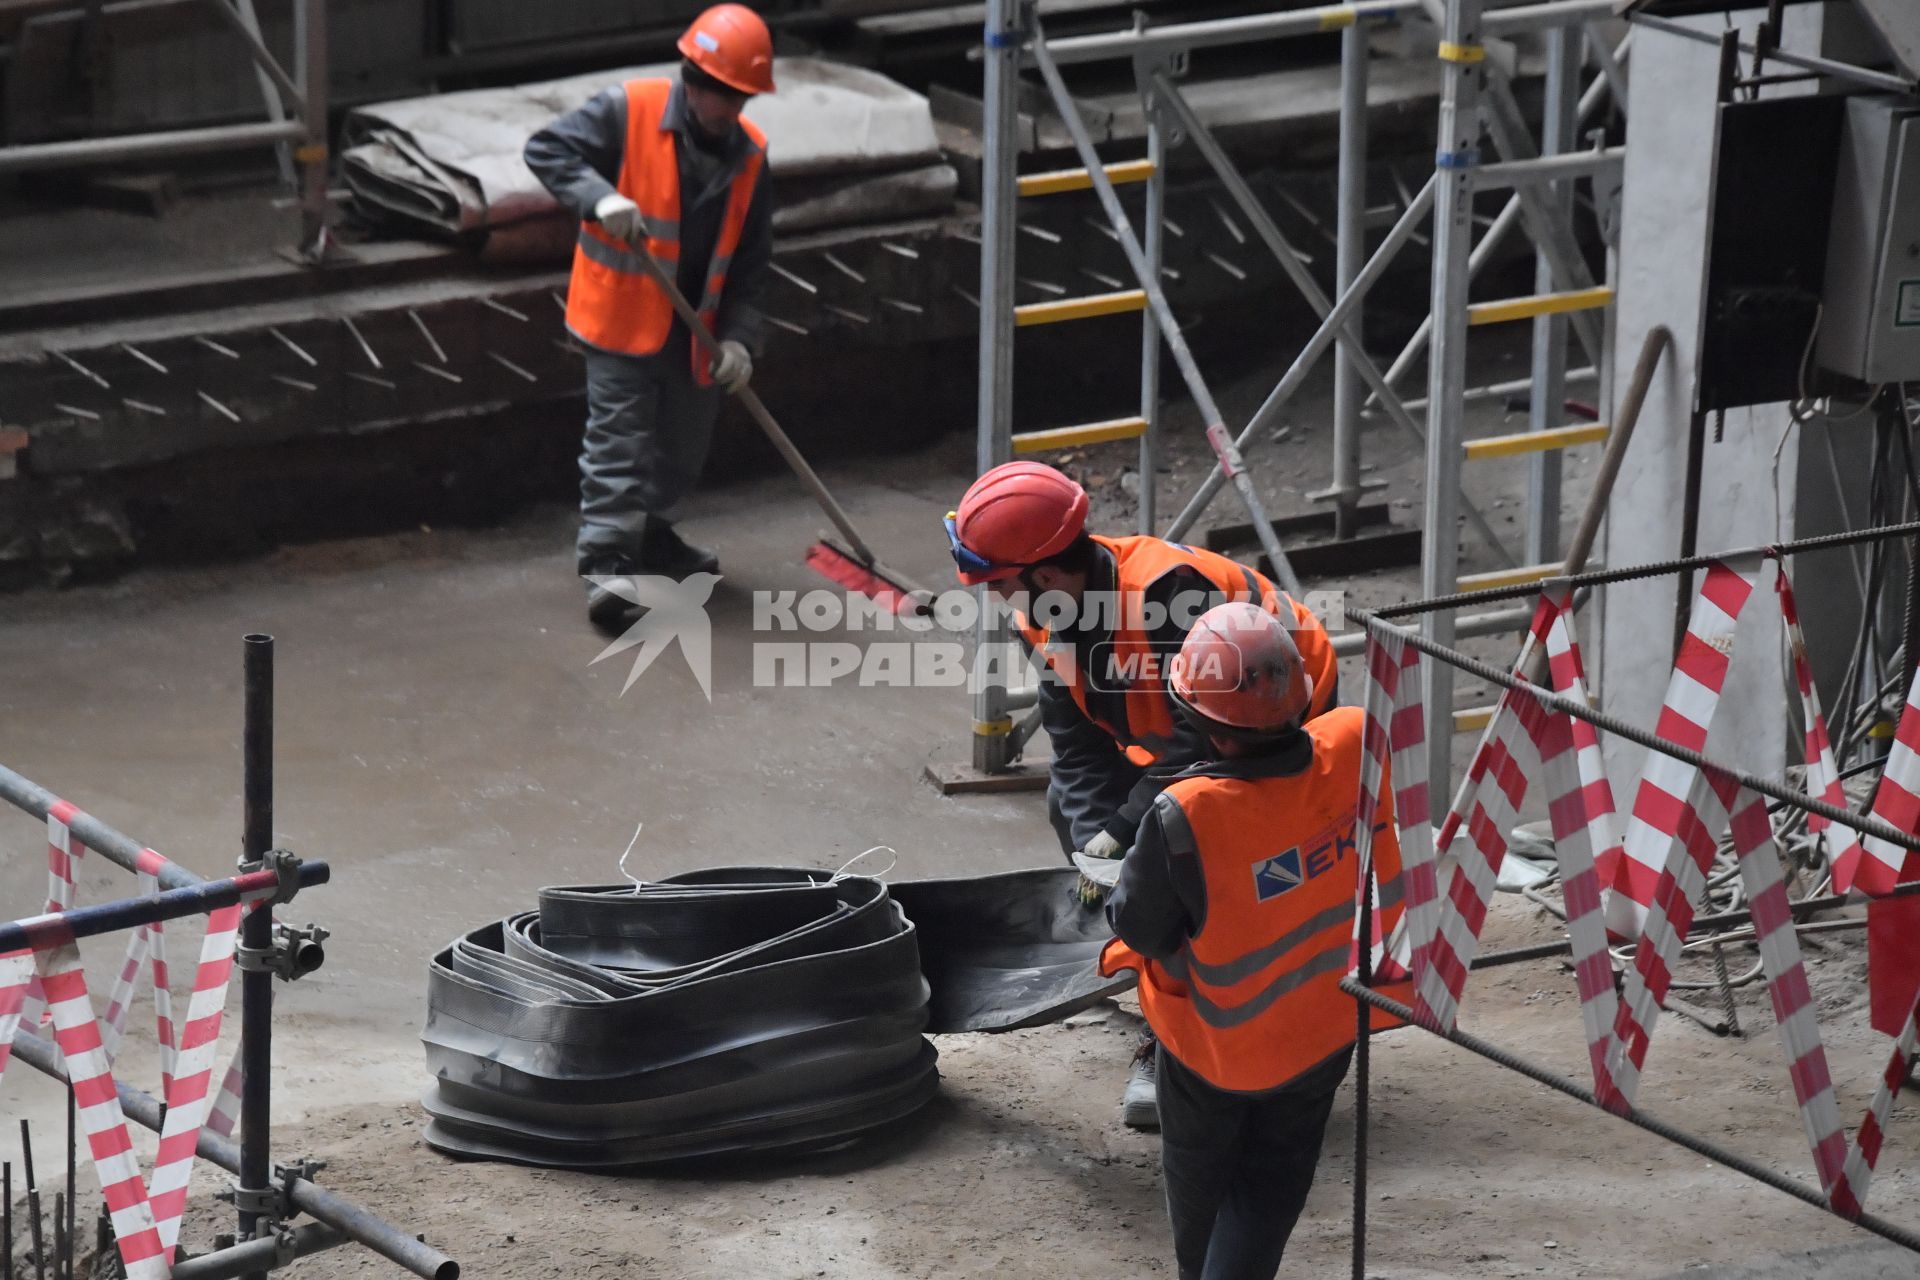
<point>1238,1166</point>
<point>648,430</point>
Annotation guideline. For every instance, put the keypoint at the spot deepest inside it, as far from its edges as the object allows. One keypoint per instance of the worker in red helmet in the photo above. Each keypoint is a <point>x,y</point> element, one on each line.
<point>1236,908</point>
<point>667,167</point>
<point>1105,616</point>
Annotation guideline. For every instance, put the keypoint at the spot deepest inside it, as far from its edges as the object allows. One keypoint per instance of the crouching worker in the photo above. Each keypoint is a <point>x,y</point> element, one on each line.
<point>1236,907</point>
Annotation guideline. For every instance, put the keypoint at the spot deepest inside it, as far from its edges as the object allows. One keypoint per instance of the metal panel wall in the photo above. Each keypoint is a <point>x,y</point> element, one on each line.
<point>161,64</point>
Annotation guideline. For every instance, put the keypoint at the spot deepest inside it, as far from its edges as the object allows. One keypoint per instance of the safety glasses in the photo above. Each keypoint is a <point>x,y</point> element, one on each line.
<point>968,560</point>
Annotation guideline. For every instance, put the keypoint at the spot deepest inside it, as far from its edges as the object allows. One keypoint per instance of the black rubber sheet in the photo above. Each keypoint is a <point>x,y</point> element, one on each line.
<point>734,1010</point>
<point>1008,951</point>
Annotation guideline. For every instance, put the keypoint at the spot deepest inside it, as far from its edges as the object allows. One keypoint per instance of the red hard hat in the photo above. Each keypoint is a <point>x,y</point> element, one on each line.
<point>1017,514</point>
<point>1239,668</point>
<point>731,43</point>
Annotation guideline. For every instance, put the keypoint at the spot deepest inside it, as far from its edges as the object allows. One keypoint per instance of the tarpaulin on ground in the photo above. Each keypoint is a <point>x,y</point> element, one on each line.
<point>845,146</point>
<point>734,1010</point>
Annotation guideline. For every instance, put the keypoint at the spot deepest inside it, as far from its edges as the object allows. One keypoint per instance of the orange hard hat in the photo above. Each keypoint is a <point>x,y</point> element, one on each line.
<point>1017,514</point>
<point>731,43</point>
<point>1238,668</point>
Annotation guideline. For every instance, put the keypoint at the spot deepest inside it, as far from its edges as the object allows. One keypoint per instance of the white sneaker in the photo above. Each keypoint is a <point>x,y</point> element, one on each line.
<point>1140,1104</point>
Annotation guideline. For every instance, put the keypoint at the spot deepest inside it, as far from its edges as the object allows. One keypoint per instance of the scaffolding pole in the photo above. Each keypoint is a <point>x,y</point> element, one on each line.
<point>1349,254</point>
<point>1153,234</point>
<point>1463,61</point>
<point>999,187</point>
<point>1550,331</point>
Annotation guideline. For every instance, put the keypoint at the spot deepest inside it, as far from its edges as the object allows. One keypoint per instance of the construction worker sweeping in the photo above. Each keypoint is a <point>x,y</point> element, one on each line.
<point>1108,615</point>
<point>1236,906</point>
<point>668,168</point>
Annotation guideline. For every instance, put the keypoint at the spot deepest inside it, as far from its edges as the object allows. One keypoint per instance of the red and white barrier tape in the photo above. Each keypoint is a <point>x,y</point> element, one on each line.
<point>1875,866</point>
<point>146,1220</point>
<point>77,1032</point>
<point>1668,786</point>
<point>1393,732</point>
<point>1488,807</point>
<point>1793,1008</point>
<point>1581,812</point>
<point>188,1093</point>
<point>1661,870</point>
<point>1850,1197</point>
<point>114,1024</point>
<point>1823,775</point>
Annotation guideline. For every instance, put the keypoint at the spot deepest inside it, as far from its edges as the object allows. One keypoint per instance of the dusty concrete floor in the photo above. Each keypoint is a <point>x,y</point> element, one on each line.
<point>447,742</point>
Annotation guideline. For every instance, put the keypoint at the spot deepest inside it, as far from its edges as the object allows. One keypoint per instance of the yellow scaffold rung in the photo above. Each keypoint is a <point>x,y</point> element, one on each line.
<point>1086,433</point>
<point>1055,181</point>
<point>1509,577</point>
<point>1535,441</point>
<point>1540,304</point>
<point>1094,304</point>
<point>1471,719</point>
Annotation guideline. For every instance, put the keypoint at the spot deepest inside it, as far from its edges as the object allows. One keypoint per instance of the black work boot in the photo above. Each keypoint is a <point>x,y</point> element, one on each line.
<point>609,613</point>
<point>664,552</point>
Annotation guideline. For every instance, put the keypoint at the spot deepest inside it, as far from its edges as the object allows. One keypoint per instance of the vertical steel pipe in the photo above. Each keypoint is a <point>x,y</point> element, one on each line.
<point>1153,235</point>
<point>256,936</point>
<point>1550,332</point>
<point>1349,255</point>
<point>999,188</point>
<point>316,216</point>
<point>1458,152</point>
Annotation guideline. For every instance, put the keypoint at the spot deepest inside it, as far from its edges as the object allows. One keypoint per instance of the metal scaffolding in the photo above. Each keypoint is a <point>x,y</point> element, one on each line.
<point>296,124</point>
<point>1476,99</point>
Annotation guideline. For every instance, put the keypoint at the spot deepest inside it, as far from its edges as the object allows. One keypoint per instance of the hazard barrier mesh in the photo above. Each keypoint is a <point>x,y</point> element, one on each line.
<point>47,987</point>
<point>1638,881</point>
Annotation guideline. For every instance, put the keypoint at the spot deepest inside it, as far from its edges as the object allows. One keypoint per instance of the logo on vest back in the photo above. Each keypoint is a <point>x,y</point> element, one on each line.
<point>1283,871</point>
<point>1274,876</point>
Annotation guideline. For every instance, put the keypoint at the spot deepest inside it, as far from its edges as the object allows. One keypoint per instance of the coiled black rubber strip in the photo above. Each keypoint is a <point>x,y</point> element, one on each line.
<point>733,1010</point>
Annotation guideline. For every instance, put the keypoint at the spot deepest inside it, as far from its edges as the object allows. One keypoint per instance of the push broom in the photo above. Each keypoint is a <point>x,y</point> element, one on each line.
<point>849,562</point>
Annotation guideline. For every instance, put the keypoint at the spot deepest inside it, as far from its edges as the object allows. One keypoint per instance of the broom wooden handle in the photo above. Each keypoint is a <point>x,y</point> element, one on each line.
<point>757,410</point>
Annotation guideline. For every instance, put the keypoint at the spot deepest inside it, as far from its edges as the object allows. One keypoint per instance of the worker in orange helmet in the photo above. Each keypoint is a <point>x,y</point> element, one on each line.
<point>1104,617</point>
<point>1236,908</point>
<point>667,167</point>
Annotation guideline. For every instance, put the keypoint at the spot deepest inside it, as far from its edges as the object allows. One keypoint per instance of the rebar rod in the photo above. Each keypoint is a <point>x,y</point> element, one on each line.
<point>33,1202</point>
<point>1655,569</point>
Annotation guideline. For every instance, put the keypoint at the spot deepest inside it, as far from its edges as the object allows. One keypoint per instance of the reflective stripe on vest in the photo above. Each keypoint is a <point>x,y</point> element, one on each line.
<point>1146,724</point>
<point>612,303</point>
<point>1253,1000</point>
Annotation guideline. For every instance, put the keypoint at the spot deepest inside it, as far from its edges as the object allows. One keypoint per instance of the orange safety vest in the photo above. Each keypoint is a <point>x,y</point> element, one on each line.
<point>1140,561</point>
<point>1253,1000</point>
<point>612,303</point>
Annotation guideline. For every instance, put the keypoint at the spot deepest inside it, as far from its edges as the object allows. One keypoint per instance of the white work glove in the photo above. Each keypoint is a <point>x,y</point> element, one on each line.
<point>733,366</point>
<point>620,218</point>
<point>1099,864</point>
